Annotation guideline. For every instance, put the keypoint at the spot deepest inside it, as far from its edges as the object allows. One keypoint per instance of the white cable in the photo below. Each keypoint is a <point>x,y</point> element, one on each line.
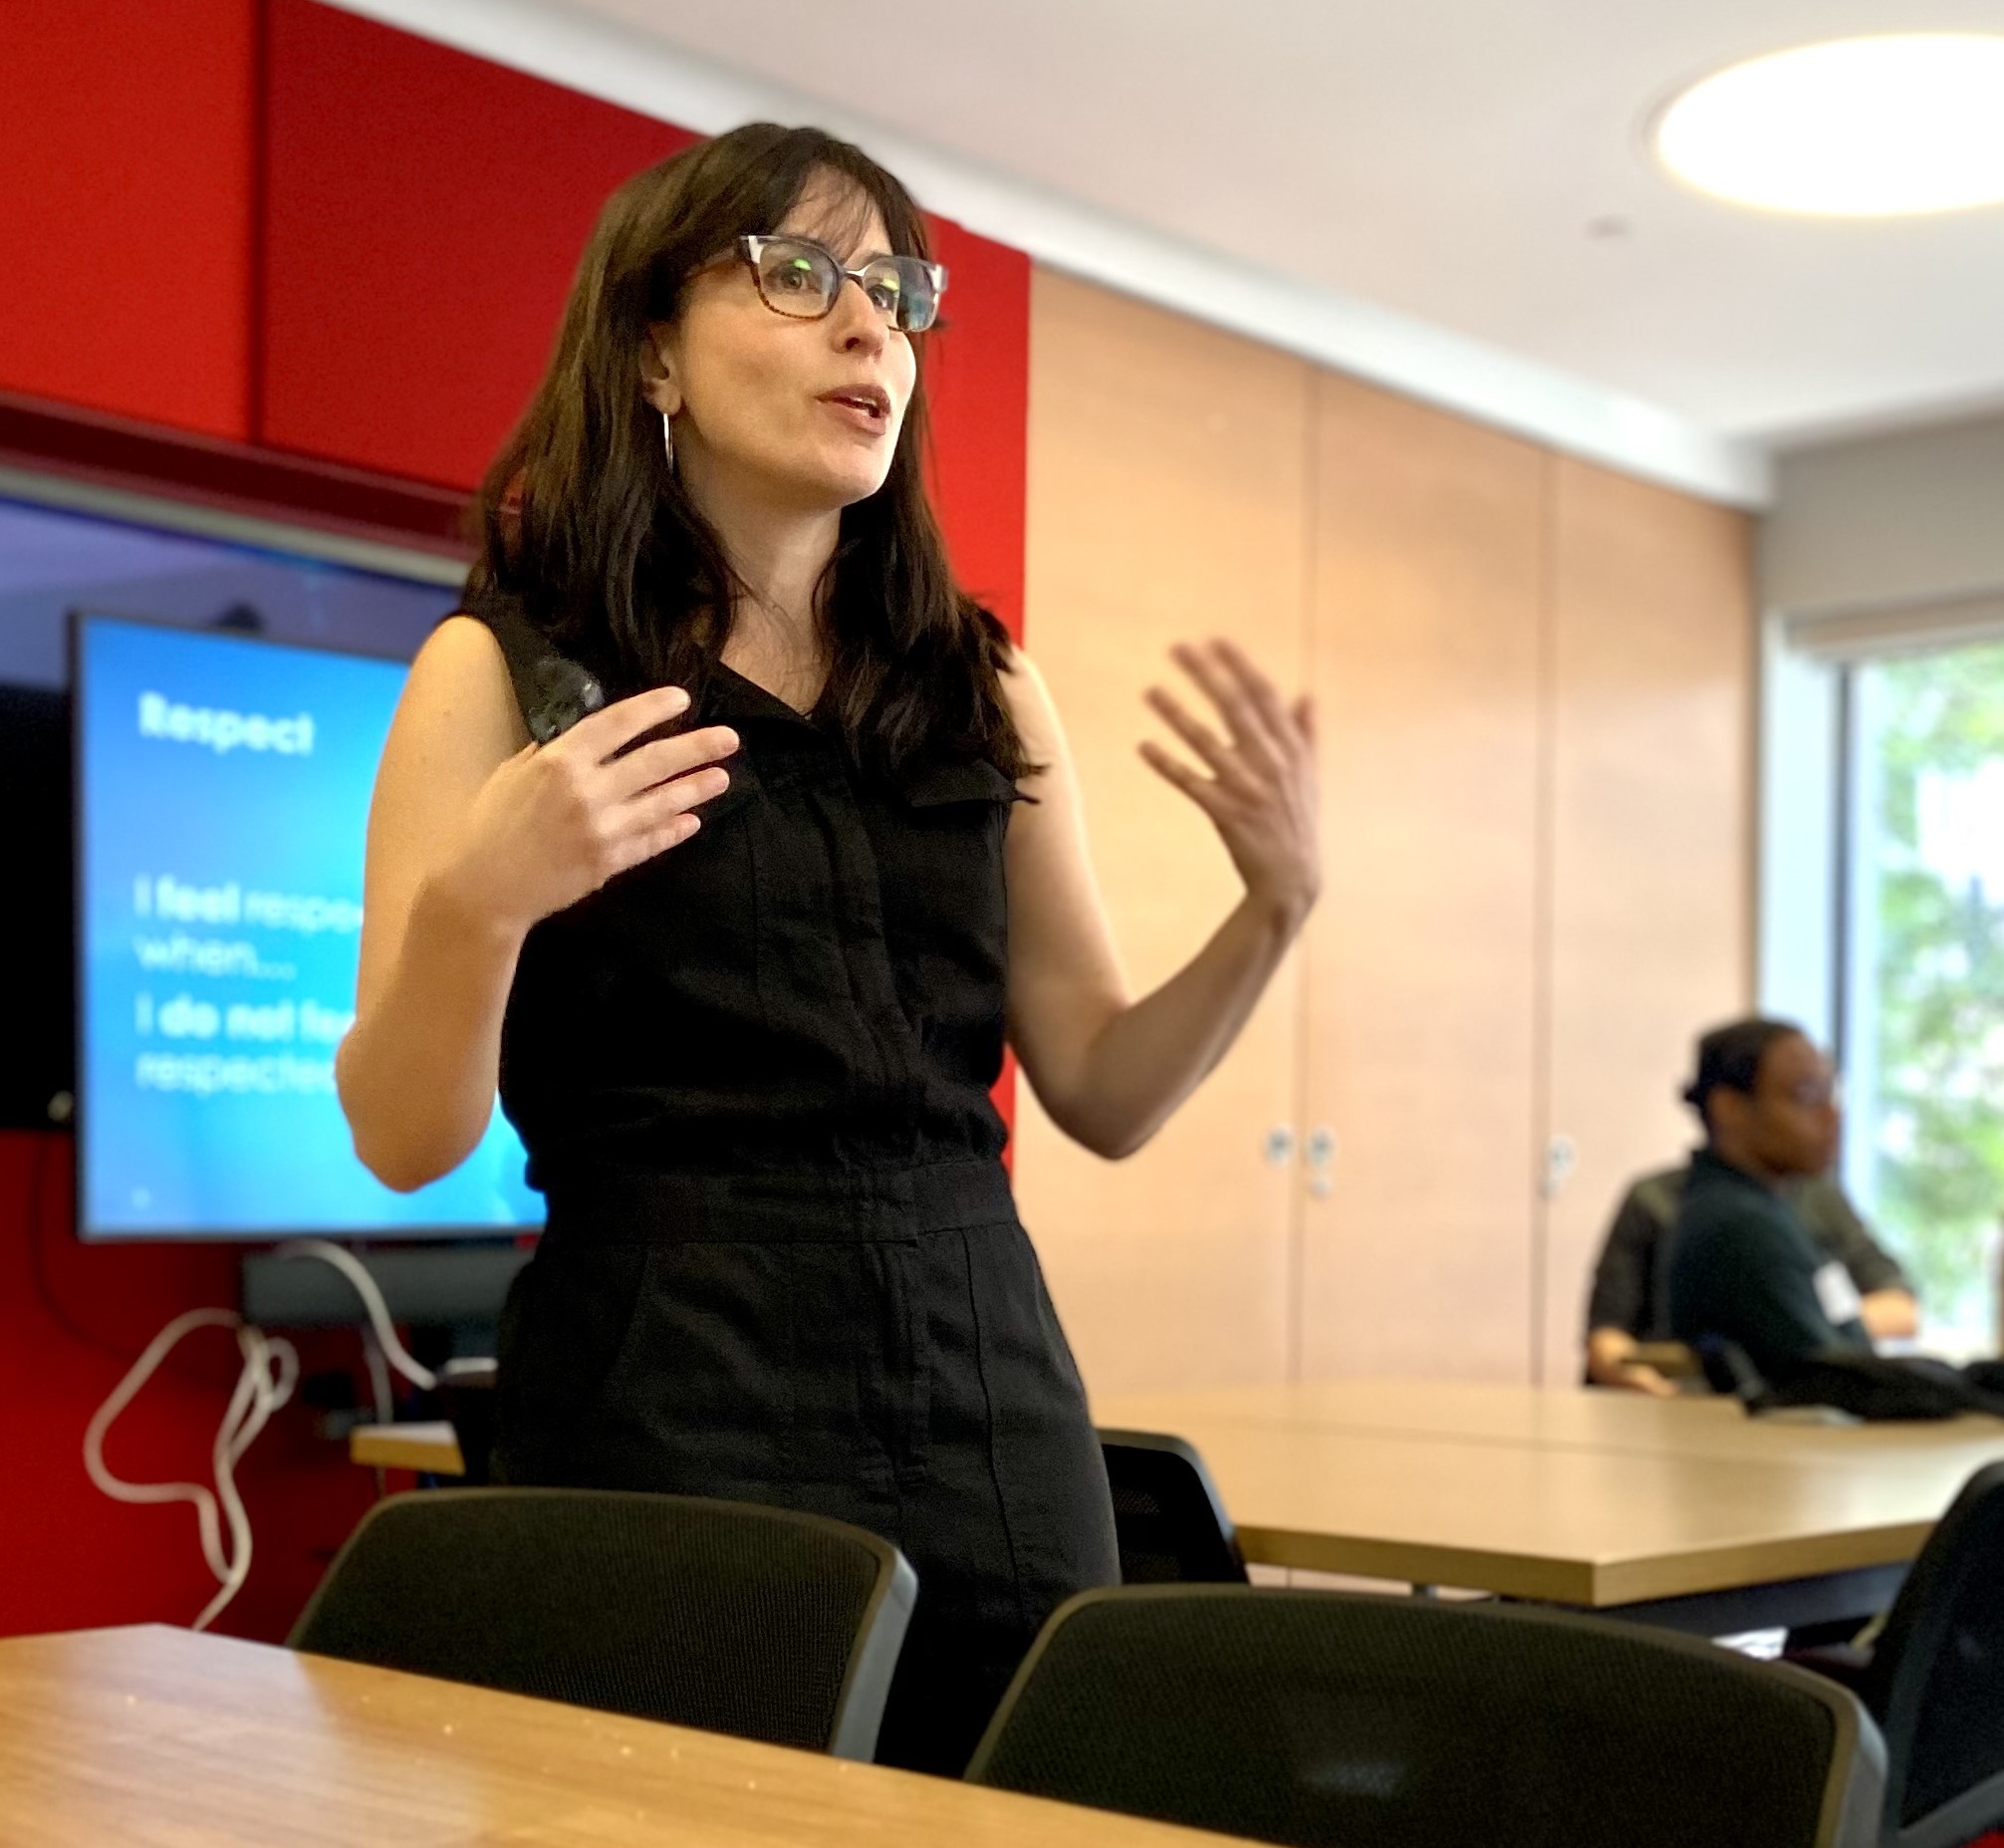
<point>366,1287</point>
<point>268,1377</point>
<point>269,1374</point>
<point>140,1371</point>
<point>258,1394</point>
<point>381,1391</point>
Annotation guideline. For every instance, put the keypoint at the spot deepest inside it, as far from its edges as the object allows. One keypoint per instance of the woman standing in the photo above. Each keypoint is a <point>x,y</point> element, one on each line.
<point>742,947</point>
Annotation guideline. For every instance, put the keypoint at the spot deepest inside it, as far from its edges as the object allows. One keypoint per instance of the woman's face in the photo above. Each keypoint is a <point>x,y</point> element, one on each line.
<point>771,407</point>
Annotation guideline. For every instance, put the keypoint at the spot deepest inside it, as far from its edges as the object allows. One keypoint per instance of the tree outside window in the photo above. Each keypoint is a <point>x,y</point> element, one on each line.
<point>1924,1042</point>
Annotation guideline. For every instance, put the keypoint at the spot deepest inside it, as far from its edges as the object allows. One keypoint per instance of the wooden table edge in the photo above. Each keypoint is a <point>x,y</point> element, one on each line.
<point>719,1756</point>
<point>431,1447</point>
<point>1729,1566</point>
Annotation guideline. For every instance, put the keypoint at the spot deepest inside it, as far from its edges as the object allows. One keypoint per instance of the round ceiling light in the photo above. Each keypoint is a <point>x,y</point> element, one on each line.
<point>1857,127</point>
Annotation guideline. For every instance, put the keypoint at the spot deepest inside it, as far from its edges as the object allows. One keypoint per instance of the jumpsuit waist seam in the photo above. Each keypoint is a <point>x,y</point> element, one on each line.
<point>776,1206</point>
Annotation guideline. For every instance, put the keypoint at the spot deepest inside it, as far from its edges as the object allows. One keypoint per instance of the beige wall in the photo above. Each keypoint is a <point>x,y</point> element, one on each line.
<point>1534,681</point>
<point>1887,522</point>
<point>1168,469</point>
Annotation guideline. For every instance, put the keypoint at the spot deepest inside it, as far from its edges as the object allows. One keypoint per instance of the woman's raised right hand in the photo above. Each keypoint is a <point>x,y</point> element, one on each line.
<point>556,821</point>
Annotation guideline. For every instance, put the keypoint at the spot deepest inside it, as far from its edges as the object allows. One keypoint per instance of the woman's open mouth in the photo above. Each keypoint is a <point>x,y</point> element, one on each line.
<point>866,406</point>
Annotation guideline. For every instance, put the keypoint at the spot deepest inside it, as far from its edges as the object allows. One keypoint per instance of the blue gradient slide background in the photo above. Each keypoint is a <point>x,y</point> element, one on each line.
<point>234,1163</point>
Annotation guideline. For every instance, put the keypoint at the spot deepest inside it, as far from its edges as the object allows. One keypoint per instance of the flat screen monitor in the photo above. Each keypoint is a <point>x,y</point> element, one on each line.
<point>221,796</point>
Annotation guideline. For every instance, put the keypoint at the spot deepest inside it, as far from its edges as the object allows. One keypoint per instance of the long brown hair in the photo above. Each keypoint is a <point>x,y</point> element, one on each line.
<point>581,518</point>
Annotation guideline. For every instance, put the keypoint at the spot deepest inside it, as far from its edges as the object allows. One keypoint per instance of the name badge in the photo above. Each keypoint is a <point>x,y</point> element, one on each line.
<point>1837,1295</point>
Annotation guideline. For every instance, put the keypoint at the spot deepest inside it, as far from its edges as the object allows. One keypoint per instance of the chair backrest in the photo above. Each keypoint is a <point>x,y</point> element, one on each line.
<point>466,1397</point>
<point>1658,1197</point>
<point>1168,1521</point>
<point>749,1620</point>
<point>1330,1718</point>
<point>1937,1679</point>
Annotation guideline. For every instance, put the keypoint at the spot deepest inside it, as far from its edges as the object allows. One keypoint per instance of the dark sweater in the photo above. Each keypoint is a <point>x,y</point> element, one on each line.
<point>1744,1269</point>
<point>1632,1280</point>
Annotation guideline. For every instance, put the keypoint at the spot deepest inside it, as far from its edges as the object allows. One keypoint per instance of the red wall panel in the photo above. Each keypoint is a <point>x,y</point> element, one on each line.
<point>126,138</point>
<point>979,382</point>
<point>72,1319</point>
<point>425,211</point>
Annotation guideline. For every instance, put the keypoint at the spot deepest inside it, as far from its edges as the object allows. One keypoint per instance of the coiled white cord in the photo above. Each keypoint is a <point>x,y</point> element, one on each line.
<point>269,1376</point>
<point>270,1372</point>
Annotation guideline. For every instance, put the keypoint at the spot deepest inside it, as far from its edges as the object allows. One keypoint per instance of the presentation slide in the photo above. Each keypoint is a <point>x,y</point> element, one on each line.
<point>223,788</point>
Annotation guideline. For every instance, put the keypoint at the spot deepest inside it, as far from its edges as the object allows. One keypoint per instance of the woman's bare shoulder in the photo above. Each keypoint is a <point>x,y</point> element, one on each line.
<point>1028,696</point>
<point>460,681</point>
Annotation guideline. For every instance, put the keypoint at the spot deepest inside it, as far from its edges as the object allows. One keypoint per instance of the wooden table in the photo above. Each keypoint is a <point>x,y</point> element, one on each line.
<point>161,1739</point>
<point>431,1449</point>
<point>1683,1510</point>
<point>1699,1425</point>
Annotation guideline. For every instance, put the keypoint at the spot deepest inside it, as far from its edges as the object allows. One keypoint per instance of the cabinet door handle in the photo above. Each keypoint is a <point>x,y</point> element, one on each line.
<point>1562,1157</point>
<point>1279,1145</point>
<point>1321,1153</point>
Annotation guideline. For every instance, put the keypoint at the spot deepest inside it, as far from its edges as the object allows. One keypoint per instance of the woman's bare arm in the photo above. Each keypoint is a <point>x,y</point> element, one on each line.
<point>475,834</point>
<point>416,1071</point>
<point>1112,1070</point>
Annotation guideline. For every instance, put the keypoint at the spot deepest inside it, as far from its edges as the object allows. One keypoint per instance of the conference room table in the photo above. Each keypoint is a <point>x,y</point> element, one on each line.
<point>1680,1511</point>
<point>156,1737</point>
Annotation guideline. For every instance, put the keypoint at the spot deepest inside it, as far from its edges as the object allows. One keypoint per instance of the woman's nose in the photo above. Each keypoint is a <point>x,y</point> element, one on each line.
<point>859,326</point>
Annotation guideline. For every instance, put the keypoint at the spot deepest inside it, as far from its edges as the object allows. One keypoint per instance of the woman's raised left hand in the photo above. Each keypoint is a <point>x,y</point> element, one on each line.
<point>1261,791</point>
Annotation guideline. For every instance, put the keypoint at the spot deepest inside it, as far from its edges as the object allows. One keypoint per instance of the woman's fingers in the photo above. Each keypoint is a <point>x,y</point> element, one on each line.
<point>1225,765</point>
<point>602,735</point>
<point>1200,790</point>
<point>1235,706</point>
<point>654,805</point>
<point>1261,796</point>
<point>661,817</point>
<point>1259,692</point>
<point>656,838</point>
<point>667,758</point>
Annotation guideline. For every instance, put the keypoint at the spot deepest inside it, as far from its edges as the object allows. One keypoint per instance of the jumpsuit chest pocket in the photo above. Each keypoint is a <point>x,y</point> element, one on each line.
<point>949,785</point>
<point>939,841</point>
<point>676,929</point>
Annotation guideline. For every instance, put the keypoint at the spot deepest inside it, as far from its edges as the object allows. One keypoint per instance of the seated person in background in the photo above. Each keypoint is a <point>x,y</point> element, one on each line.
<point>1744,1266</point>
<point>1630,1303</point>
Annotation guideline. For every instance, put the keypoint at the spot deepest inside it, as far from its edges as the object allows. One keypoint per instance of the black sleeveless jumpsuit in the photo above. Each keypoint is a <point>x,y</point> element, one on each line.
<point>782,1261</point>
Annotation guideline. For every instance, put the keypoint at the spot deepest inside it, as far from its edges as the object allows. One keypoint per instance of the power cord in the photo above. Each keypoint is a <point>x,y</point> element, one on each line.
<point>270,1372</point>
<point>269,1376</point>
<point>365,1287</point>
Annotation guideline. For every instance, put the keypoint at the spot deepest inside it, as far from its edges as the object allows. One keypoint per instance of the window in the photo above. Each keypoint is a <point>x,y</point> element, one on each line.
<point>1921,1020</point>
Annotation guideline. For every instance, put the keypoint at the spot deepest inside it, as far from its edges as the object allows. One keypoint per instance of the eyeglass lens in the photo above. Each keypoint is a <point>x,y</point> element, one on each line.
<point>799,278</point>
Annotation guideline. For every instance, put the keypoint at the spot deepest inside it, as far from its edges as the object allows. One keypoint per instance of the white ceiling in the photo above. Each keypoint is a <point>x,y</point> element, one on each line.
<point>1443,159</point>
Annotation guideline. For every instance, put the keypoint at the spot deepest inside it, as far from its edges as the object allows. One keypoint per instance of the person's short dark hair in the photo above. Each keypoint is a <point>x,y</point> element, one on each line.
<point>1729,1059</point>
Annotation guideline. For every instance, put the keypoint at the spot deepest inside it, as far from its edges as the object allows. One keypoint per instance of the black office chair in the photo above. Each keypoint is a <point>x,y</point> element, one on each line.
<point>466,1397</point>
<point>1934,1680</point>
<point>1168,1519</point>
<point>1331,1720</point>
<point>750,1620</point>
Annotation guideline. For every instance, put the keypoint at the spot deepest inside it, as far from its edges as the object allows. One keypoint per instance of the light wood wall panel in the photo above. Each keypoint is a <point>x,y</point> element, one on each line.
<point>1651,878</point>
<point>1166,502</point>
<point>1427,606</point>
<point>1535,683</point>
